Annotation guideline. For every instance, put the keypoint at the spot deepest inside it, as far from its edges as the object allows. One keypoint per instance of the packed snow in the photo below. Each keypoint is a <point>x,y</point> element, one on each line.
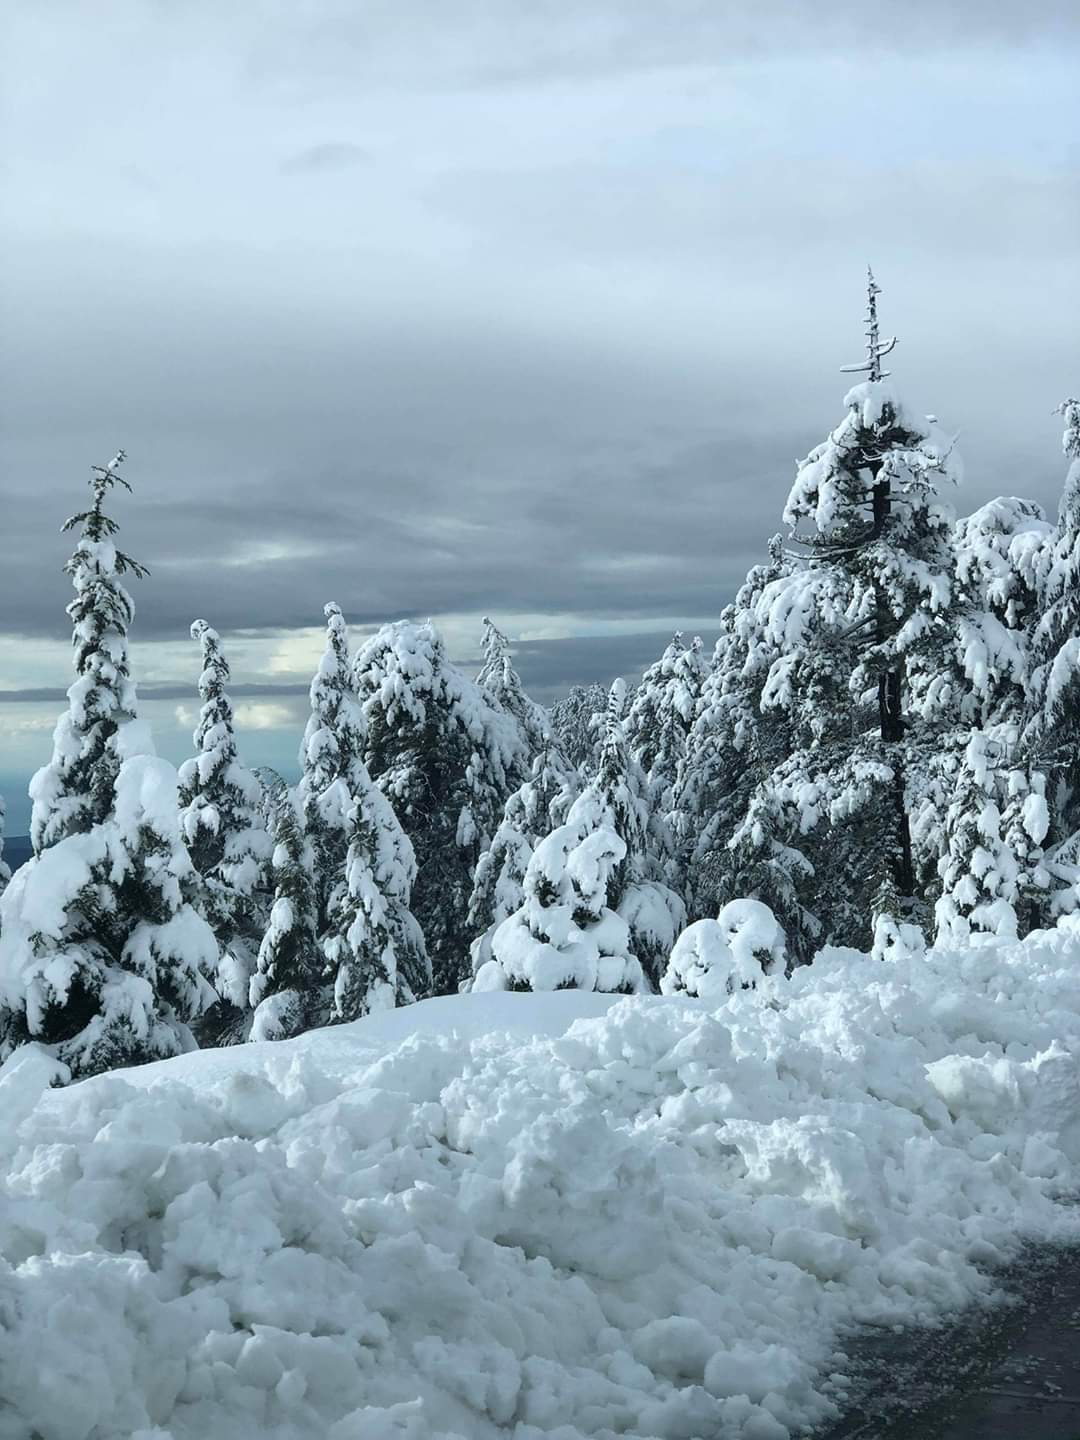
<point>537,1215</point>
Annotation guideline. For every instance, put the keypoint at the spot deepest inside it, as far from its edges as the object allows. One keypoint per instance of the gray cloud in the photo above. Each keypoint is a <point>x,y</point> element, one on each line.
<point>551,339</point>
<point>326,158</point>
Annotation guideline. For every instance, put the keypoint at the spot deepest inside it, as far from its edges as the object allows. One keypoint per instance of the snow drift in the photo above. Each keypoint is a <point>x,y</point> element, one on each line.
<point>555,1215</point>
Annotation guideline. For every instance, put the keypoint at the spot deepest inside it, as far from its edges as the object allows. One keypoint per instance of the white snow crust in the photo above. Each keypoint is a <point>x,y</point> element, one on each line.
<point>551,1215</point>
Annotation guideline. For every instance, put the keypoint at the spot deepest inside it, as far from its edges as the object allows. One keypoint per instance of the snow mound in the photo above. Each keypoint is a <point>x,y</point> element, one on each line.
<point>535,1215</point>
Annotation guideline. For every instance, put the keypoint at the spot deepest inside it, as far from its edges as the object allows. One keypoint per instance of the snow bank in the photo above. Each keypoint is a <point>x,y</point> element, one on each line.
<point>556,1215</point>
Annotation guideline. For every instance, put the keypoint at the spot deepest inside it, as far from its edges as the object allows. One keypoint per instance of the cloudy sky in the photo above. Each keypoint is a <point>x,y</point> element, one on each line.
<point>438,307</point>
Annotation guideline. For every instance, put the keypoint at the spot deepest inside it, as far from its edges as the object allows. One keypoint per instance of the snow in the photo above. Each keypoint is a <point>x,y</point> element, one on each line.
<point>536,1215</point>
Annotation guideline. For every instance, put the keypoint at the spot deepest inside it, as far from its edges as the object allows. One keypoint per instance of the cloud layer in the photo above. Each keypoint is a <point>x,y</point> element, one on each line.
<point>522,309</point>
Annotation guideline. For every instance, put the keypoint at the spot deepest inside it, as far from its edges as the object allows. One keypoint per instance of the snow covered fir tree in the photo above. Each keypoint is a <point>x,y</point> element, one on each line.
<point>103,955</point>
<point>881,752</point>
<point>222,824</point>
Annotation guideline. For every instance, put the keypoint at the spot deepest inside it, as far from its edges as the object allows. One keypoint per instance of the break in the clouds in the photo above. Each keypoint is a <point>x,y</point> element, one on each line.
<point>438,310</point>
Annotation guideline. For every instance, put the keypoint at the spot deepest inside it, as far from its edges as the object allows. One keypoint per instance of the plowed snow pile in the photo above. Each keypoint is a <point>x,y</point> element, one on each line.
<point>557,1215</point>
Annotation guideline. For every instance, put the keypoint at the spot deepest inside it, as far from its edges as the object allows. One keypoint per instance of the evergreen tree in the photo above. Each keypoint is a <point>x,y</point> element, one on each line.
<point>564,935</point>
<point>102,955</point>
<point>736,741</point>
<point>374,946</point>
<point>502,684</point>
<point>969,677</point>
<point>1052,732</point>
<point>713,958</point>
<point>979,872</point>
<point>616,799</point>
<point>447,759</point>
<point>5,872</point>
<point>663,711</point>
<point>332,765</point>
<point>536,808</point>
<point>877,572</point>
<point>226,836</point>
<point>75,790</point>
<point>287,991</point>
<point>577,723</point>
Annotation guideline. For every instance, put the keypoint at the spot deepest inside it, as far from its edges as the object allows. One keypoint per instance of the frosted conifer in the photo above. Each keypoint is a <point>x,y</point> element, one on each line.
<point>565,935</point>
<point>287,991</point>
<point>537,807</point>
<point>375,946</point>
<point>224,830</point>
<point>5,872</point>
<point>102,956</point>
<point>74,791</point>
<point>447,759</point>
<point>332,765</point>
<point>499,680</point>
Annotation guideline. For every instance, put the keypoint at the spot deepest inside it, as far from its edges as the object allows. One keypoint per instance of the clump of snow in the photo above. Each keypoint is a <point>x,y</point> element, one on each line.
<point>536,1215</point>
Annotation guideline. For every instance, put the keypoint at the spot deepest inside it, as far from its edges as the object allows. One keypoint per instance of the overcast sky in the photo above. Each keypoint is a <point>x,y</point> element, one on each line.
<point>438,308</point>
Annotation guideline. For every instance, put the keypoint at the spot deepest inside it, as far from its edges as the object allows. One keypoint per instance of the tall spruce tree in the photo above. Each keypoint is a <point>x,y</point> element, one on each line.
<point>74,791</point>
<point>616,800</point>
<point>288,991</point>
<point>333,774</point>
<point>5,872</point>
<point>536,807</point>
<point>577,723</point>
<point>226,836</point>
<point>659,722</point>
<point>1052,728</point>
<point>501,682</point>
<point>374,945</point>
<point>876,571</point>
<point>446,758</point>
<point>102,955</point>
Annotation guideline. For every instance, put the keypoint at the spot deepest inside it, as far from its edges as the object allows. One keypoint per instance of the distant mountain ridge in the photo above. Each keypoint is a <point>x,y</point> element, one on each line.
<point>17,850</point>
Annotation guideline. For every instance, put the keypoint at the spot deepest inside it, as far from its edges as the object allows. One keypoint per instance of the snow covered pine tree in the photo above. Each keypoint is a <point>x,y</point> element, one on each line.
<point>536,808</point>
<point>222,824</point>
<point>877,565</point>
<point>102,956</point>
<point>446,758</point>
<point>332,765</point>
<point>75,790</point>
<point>286,992</point>
<point>1052,728</point>
<point>499,680</point>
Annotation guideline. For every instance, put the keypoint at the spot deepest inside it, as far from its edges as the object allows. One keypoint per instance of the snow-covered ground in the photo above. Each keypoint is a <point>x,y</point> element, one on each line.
<point>551,1215</point>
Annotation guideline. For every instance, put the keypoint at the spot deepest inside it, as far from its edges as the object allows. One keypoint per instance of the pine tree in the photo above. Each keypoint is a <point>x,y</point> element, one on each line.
<point>226,836</point>
<point>5,872</point>
<point>564,935</point>
<point>374,945</point>
<point>714,958</point>
<point>738,737</point>
<point>447,759</point>
<point>577,723</point>
<point>502,684</point>
<point>969,674</point>
<point>663,711</point>
<point>979,872</point>
<point>537,807</point>
<point>877,572</point>
<point>1052,730</point>
<point>616,799</point>
<point>287,991</point>
<point>97,731</point>
<point>102,955</point>
<point>332,764</point>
